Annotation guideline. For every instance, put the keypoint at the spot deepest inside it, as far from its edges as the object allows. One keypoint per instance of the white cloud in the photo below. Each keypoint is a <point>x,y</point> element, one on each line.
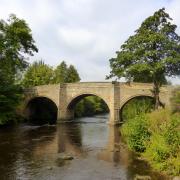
<point>75,38</point>
<point>85,33</point>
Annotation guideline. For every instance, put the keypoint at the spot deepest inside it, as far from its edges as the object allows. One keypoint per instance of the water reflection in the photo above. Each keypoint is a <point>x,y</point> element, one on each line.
<point>70,139</point>
<point>31,152</point>
<point>115,151</point>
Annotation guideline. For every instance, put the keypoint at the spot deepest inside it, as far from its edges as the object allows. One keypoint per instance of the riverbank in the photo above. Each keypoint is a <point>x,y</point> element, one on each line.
<point>156,136</point>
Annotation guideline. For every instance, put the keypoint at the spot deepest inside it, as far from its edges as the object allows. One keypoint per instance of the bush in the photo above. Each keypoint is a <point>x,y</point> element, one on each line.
<point>175,100</point>
<point>136,133</point>
<point>172,134</point>
<point>157,136</point>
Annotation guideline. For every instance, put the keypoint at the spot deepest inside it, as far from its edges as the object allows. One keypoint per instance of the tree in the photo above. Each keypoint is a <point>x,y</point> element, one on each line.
<point>153,52</point>
<point>72,75</point>
<point>38,74</point>
<point>15,43</point>
<point>65,74</point>
<point>60,73</point>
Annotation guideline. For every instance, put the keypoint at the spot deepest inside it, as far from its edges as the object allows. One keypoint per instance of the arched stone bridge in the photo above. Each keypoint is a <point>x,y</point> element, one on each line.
<point>115,95</point>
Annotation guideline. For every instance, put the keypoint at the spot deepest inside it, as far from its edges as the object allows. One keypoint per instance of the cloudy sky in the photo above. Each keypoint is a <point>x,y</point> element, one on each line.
<point>85,33</point>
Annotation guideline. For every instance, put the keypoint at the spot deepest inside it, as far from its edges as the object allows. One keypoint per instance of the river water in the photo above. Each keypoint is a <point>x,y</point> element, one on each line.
<point>35,153</point>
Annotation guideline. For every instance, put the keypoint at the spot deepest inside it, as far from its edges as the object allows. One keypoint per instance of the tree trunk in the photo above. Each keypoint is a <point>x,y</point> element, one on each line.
<point>156,91</point>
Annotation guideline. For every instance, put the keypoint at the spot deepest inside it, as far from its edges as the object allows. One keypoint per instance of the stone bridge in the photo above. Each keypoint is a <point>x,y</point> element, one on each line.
<point>115,95</point>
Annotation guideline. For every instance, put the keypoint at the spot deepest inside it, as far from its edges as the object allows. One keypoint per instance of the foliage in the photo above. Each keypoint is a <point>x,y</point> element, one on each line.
<point>15,43</point>
<point>72,75</point>
<point>65,74</point>
<point>136,132</point>
<point>136,107</point>
<point>151,54</point>
<point>176,100</point>
<point>89,106</point>
<point>60,73</point>
<point>40,73</point>
<point>10,96</point>
<point>37,74</point>
<point>164,146</point>
<point>161,145</point>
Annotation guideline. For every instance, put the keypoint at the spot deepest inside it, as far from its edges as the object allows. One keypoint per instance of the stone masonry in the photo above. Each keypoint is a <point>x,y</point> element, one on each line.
<point>114,94</point>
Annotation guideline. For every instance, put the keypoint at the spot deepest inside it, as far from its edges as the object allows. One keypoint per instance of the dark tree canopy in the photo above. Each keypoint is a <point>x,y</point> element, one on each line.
<point>151,54</point>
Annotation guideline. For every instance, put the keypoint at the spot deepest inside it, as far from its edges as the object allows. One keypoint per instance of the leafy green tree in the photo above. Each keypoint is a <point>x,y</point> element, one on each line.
<point>60,73</point>
<point>152,53</point>
<point>15,43</point>
<point>38,73</point>
<point>72,75</point>
<point>65,74</point>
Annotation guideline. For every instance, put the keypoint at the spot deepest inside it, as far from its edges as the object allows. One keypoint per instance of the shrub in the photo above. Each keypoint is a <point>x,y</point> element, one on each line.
<point>136,133</point>
<point>175,100</point>
<point>157,137</point>
<point>172,134</point>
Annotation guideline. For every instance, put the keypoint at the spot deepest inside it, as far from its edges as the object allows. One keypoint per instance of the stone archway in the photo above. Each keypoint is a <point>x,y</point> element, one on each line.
<point>74,100</point>
<point>41,110</point>
<point>146,98</point>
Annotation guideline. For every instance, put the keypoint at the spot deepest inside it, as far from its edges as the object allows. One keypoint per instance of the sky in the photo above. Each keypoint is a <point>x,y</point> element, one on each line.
<point>85,33</point>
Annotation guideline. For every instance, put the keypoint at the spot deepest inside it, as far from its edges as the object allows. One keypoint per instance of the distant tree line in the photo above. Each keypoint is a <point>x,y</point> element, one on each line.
<point>40,73</point>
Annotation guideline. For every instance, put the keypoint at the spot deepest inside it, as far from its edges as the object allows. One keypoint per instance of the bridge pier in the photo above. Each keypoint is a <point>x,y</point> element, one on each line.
<point>65,115</point>
<point>114,118</point>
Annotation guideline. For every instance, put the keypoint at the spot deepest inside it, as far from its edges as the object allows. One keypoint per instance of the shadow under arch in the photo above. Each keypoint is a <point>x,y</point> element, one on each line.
<point>75,100</point>
<point>41,110</point>
<point>142,100</point>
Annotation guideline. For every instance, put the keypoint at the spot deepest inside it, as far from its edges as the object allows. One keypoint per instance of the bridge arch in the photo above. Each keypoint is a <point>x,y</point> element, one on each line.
<point>77,98</point>
<point>41,110</point>
<point>126,100</point>
<point>138,96</point>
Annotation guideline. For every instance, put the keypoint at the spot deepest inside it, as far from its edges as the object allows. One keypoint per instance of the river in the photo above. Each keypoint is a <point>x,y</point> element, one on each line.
<point>35,152</point>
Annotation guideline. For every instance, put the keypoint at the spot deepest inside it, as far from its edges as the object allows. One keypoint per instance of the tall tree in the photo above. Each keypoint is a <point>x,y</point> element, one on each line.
<point>72,75</point>
<point>38,73</point>
<point>60,73</point>
<point>16,44</point>
<point>153,52</point>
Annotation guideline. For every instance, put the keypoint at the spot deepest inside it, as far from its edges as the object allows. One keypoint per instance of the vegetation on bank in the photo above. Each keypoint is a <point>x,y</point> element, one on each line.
<point>156,136</point>
<point>16,44</point>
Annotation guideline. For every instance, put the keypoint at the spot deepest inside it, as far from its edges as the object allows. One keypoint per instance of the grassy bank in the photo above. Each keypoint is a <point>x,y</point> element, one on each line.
<point>156,136</point>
